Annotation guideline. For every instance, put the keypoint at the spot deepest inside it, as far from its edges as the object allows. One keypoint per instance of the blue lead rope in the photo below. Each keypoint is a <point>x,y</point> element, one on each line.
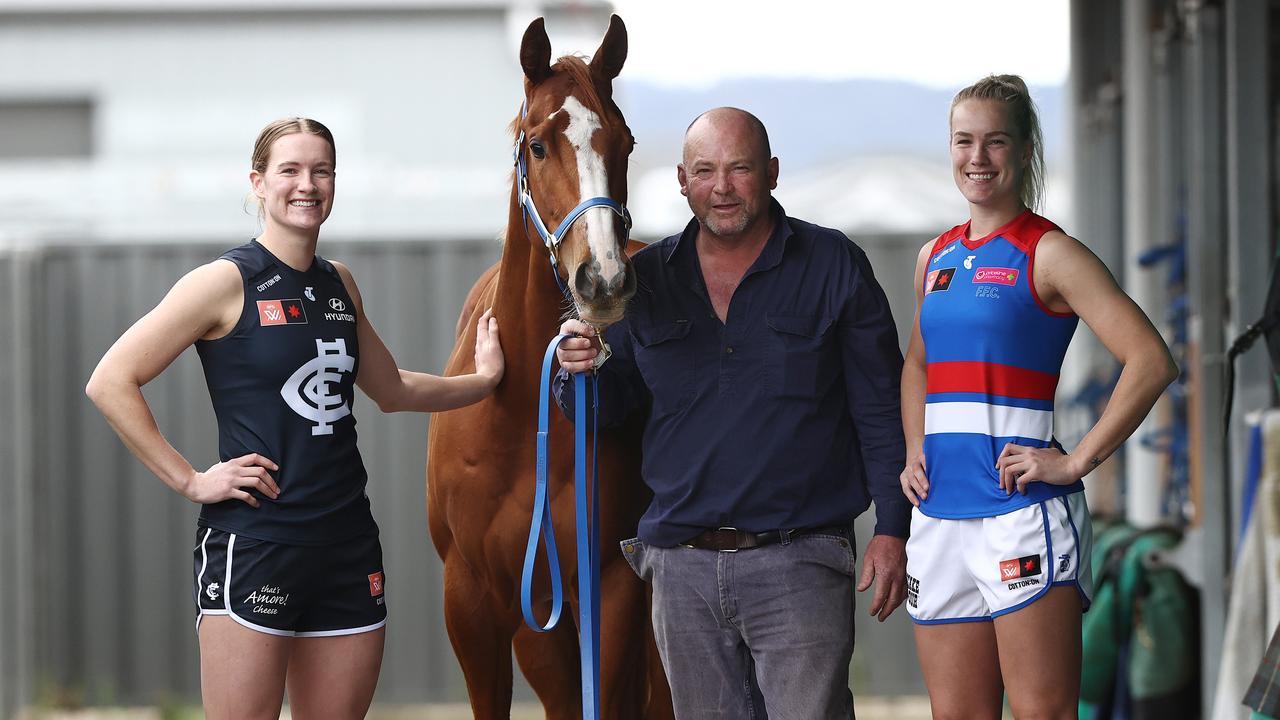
<point>588,533</point>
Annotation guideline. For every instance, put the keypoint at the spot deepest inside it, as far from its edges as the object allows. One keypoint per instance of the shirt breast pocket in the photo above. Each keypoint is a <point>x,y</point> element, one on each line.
<point>665,358</point>
<point>802,363</point>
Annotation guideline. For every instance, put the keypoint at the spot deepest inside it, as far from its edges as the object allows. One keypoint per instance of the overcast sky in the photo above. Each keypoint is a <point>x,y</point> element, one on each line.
<point>940,43</point>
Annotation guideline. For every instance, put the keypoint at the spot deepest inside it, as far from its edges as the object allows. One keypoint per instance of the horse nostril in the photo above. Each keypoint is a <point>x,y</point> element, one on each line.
<point>585,282</point>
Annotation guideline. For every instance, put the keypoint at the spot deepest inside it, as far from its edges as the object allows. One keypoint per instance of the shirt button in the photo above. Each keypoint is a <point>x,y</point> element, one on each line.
<point>729,349</point>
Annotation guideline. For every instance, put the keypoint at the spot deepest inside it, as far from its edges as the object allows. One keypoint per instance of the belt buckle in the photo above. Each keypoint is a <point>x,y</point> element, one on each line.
<point>734,530</point>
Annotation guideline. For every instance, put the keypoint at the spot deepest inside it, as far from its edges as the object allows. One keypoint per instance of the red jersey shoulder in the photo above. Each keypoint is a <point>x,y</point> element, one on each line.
<point>946,238</point>
<point>1027,230</point>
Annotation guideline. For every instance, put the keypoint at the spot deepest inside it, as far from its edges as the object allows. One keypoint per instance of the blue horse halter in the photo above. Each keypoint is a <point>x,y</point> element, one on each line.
<point>549,238</point>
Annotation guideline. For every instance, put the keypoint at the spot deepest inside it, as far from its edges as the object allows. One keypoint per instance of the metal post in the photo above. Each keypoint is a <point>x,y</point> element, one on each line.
<point>1096,173</point>
<point>1142,464</point>
<point>1249,242</point>
<point>17,607</point>
<point>1207,292</point>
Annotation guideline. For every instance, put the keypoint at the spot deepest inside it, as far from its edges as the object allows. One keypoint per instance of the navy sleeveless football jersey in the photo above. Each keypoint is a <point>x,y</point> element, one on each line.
<point>283,385</point>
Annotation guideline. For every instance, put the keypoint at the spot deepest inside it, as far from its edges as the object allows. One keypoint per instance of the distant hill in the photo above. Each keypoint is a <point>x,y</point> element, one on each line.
<point>813,122</point>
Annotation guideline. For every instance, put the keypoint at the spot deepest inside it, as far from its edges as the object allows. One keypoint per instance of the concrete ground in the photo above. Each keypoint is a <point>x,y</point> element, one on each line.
<point>900,708</point>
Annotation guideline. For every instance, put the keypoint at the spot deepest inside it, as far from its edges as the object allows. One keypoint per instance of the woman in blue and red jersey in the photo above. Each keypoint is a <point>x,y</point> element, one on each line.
<point>998,561</point>
<point>288,579</point>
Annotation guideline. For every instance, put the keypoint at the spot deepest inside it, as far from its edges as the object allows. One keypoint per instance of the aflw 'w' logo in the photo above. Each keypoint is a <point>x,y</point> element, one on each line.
<point>308,390</point>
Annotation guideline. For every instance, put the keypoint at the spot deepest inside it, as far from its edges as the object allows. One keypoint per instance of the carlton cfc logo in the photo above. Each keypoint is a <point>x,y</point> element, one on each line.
<point>311,390</point>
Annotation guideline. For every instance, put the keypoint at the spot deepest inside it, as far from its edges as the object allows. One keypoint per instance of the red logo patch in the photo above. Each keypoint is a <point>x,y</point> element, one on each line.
<point>999,276</point>
<point>281,312</point>
<point>939,280</point>
<point>1020,568</point>
<point>375,584</point>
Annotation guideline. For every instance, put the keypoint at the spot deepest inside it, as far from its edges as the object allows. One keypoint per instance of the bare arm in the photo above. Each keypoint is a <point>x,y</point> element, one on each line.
<point>396,390</point>
<point>915,482</point>
<point>204,303</point>
<point>1069,277</point>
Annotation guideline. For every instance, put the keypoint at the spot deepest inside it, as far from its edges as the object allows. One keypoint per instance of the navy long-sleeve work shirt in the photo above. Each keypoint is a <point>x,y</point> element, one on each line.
<point>786,415</point>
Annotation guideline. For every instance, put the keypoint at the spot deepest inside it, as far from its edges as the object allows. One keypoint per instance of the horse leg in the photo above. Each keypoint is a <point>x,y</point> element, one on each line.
<point>480,641</point>
<point>550,663</point>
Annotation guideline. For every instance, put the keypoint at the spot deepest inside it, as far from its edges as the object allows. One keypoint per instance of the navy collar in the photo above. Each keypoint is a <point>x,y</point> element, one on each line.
<point>770,255</point>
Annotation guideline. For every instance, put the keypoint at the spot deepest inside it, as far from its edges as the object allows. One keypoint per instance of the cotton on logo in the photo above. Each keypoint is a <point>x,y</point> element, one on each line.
<point>308,390</point>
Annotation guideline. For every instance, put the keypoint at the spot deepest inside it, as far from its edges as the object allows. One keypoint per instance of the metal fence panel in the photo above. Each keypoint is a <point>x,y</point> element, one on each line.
<point>99,608</point>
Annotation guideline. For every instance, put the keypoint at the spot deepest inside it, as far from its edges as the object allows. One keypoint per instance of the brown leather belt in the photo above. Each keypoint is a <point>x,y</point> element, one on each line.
<point>729,539</point>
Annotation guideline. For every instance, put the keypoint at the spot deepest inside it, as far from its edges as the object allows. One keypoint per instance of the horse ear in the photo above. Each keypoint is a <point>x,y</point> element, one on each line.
<point>535,52</point>
<point>607,61</point>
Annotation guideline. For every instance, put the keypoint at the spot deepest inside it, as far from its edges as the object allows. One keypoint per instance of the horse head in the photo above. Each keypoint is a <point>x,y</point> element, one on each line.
<point>572,148</point>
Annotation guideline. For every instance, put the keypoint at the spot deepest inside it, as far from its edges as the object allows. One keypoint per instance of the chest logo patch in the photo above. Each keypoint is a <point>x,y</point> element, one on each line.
<point>281,312</point>
<point>999,276</point>
<point>939,280</point>
<point>310,391</point>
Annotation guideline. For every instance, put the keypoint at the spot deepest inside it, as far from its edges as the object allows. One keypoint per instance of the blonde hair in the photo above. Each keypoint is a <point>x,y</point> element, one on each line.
<point>1012,91</point>
<point>278,129</point>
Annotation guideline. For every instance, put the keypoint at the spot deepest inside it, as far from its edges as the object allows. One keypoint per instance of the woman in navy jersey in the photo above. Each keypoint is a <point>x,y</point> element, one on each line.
<point>287,569</point>
<point>998,561</point>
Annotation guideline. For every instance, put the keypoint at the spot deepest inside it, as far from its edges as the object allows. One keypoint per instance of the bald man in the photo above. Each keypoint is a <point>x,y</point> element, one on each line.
<point>764,355</point>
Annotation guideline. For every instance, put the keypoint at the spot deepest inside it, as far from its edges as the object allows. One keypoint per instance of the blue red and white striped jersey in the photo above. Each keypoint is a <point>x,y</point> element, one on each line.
<point>993,351</point>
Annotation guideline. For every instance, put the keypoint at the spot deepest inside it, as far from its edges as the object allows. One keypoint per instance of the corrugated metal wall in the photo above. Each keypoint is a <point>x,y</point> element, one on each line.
<point>95,553</point>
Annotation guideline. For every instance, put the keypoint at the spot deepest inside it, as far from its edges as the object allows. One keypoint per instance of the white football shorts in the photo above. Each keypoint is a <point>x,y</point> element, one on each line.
<point>981,568</point>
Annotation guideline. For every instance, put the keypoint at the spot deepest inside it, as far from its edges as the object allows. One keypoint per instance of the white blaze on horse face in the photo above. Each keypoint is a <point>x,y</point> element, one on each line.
<point>594,182</point>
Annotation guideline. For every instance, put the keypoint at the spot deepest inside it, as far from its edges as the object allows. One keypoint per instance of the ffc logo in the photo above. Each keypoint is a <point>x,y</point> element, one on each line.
<point>281,312</point>
<point>1020,568</point>
<point>375,584</point>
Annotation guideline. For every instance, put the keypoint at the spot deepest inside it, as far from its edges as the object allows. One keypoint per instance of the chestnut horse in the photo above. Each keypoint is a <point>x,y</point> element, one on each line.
<point>480,463</point>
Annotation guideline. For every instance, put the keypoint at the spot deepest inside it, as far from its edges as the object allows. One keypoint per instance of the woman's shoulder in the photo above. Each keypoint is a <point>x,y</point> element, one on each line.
<point>219,276</point>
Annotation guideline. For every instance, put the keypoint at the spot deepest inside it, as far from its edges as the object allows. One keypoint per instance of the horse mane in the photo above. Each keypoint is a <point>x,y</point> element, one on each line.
<point>580,73</point>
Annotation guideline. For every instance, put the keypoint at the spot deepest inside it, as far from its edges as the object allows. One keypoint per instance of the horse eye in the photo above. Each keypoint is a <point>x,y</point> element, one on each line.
<point>537,149</point>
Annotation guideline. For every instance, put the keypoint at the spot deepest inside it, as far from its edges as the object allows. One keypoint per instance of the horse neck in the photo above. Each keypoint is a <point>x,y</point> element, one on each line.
<point>528,302</point>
